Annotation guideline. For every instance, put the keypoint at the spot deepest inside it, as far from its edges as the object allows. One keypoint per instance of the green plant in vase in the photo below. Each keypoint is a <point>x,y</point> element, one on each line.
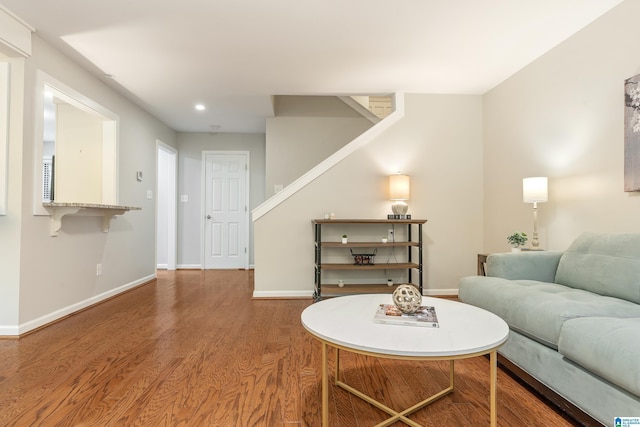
<point>516,240</point>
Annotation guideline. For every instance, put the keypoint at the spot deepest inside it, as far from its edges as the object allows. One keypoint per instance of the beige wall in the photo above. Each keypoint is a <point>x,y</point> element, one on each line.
<point>305,131</point>
<point>78,175</point>
<point>562,117</point>
<point>439,144</point>
<point>57,275</point>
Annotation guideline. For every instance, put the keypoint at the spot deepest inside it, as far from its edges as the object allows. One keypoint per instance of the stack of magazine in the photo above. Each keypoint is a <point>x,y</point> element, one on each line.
<point>425,316</point>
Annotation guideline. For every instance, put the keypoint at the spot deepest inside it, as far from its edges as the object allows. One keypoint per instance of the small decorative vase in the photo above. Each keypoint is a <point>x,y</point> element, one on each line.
<point>407,298</point>
<point>515,250</point>
<point>384,240</point>
<point>344,240</point>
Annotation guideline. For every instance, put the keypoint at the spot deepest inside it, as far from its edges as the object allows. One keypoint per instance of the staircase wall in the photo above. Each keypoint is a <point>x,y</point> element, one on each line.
<point>305,131</point>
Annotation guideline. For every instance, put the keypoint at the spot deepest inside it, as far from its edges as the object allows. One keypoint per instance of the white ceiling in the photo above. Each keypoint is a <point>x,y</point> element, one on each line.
<point>233,55</point>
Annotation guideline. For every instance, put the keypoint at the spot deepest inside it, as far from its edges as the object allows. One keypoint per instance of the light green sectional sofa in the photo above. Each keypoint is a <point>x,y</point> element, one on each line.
<point>574,319</point>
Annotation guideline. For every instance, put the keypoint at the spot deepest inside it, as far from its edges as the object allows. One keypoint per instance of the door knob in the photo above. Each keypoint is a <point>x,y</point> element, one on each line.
<point>208,216</point>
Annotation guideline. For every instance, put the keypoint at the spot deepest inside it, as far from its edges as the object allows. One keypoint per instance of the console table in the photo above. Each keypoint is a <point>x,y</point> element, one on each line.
<point>410,261</point>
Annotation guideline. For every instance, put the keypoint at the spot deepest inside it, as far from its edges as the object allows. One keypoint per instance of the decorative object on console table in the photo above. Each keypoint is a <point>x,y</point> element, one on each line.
<point>534,190</point>
<point>632,133</point>
<point>363,259</point>
<point>516,240</point>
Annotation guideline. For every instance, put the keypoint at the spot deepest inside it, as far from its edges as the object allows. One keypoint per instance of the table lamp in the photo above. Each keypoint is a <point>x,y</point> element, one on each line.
<point>534,190</point>
<point>399,190</point>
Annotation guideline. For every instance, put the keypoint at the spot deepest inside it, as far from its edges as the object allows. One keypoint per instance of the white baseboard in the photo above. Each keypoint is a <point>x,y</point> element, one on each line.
<point>439,292</point>
<point>282,294</point>
<point>162,266</point>
<point>58,314</point>
<point>189,267</point>
<point>8,331</point>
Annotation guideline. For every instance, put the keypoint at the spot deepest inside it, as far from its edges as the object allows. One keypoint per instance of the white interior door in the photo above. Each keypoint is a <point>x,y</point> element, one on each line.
<point>225,211</point>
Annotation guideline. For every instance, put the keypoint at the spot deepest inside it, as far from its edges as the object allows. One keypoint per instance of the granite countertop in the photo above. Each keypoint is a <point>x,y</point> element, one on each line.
<point>88,206</point>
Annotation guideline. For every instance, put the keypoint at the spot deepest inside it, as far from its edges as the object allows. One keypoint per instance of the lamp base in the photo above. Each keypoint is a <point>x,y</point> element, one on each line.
<point>399,208</point>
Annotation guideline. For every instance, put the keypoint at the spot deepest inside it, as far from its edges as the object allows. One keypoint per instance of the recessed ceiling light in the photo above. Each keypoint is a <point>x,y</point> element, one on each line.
<point>200,107</point>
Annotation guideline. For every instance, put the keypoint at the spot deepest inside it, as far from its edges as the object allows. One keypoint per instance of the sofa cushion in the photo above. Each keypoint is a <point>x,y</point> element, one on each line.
<point>538,309</point>
<point>606,264</point>
<point>529,265</point>
<point>608,347</point>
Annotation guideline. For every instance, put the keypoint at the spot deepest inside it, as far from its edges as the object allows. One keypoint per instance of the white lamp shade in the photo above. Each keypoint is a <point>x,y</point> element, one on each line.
<point>534,189</point>
<point>399,187</point>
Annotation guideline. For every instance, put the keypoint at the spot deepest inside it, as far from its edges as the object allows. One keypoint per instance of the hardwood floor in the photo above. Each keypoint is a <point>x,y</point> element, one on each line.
<point>193,349</point>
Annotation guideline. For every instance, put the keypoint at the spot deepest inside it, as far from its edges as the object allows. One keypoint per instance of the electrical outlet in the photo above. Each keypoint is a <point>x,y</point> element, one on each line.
<point>98,270</point>
<point>390,235</point>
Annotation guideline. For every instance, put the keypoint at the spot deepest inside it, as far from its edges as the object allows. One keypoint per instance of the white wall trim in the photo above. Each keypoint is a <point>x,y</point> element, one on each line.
<point>283,294</point>
<point>111,137</point>
<point>189,267</point>
<point>5,107</point>
<point>440,292</point>
<point>15,34</point>
<point>6,330</point>
<point>366,137</point>
<point>360,109</point>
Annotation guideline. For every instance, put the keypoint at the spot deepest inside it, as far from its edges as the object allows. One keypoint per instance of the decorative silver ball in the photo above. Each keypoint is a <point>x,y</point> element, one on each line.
<point>407,298</point>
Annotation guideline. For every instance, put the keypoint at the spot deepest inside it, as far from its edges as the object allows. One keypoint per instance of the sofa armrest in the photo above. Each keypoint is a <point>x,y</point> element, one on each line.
<point>534,265</point>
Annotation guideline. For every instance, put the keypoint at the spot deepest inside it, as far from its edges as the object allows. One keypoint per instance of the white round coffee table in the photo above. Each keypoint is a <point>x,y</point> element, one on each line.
<point>346,323</point>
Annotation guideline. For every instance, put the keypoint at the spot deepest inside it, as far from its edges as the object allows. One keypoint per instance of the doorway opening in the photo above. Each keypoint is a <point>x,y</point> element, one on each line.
<point>166,206</point>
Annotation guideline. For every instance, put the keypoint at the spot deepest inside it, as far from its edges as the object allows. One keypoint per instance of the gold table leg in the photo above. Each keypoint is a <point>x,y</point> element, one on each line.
<point>395,415</point>
<point>493,359</point>
<point>325,387</point>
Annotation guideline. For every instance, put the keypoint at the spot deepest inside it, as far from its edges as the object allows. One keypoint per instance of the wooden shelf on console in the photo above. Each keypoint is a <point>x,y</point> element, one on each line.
<point>385,266</point>
<point>369,221</point>
<point>57,210</point>
<point>368,244</point>
<point>358,289</point>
